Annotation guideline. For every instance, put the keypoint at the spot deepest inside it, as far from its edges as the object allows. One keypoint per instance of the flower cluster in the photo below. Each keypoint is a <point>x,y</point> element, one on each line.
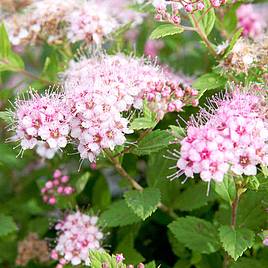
<point>152,48</point>
<point>32,248</point>
<point>40,21</point>
<point>121,10</point>
<point>55,20</point>
<point>77,235</point>
<point>247,54</point>
<point>90,110</point>
<point>173,16</point>
<point>57,186</point>
<point>250,20</point>
<point>167,96</point>
<point>234,137</point>
<point>41,121</point>
<point>88,24</point>
<point>44,118</point>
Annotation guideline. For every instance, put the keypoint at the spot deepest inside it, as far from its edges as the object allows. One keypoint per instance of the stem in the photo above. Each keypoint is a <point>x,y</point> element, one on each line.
<point>234,207</point>
<point>205,13</point>
<point>122,171</point>
<point>203,36</point>
<point>234,210</point>
<point>135,185</point>
<point>32,76</point>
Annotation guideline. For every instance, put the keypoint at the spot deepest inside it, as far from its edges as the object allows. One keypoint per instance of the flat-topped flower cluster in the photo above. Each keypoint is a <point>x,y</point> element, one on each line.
<point>231,137</point>
<point>98,92</point>
<point>54,21</point>
<point>78,233</point>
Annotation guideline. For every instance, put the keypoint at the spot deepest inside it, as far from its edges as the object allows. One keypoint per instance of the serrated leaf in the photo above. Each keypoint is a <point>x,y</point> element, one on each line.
<point>209,81</point>
<point>142,123</point>
<point>165,30</point>
<point>236,241</point>
<point>143,203</point>
<point>150,265</point>
<point>154,142</point>
<point>118,214</point>
<point>7,225</point>
<point>97,258</point>
<point>247,263</point>
<point>177,132</point>
<point>226,189</point>
<point>82,182</point>
<point>205,22</point>
<point>196,234</point>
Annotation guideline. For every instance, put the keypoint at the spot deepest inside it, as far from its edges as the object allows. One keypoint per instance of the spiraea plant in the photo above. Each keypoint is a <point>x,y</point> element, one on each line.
<point>134,134</point>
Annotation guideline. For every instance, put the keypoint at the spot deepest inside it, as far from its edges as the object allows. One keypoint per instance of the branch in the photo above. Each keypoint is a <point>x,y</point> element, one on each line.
<point>203,36</point>
<point>135,185</point>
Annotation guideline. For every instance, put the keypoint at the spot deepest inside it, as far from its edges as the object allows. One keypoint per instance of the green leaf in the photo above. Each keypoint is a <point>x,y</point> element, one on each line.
<point>142,123</point>
<point>82,182</point>
<point>126,247</point>
<point>97,258</point>
<point>233,41</point>
<point>247,263</point>
<point>7,225</point>
<point>5,47</point>
<point>226,189</point>
<point>143,203</point>
<point>206,23</point>
<point>177,132</point>
<point>251,210</point>
<point>209,81</point>
<point>157,172</point>
<point>196,234</point>
<point>165,30</point>
<point>154,142</point>
<point>236,241</point>
<point>101,197</point>
<point>118,214</point>
<point>150,265</point>
<point>9,61</point>
<point>194,197</point>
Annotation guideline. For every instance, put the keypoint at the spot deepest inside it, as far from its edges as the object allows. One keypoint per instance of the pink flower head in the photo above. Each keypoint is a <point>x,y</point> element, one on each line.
<point>152,48</point>
<point>250,21</point>
<point>91,22</point>
<point>41,122</point>
<point>233,137</point>
<point>77,234</point>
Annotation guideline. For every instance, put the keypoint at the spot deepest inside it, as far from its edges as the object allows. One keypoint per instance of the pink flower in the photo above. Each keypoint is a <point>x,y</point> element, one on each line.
<point>250,21</point>
<point>42,122</point>
<point>88,24</point>
<point>232,137</point>
<point>78,234</point>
